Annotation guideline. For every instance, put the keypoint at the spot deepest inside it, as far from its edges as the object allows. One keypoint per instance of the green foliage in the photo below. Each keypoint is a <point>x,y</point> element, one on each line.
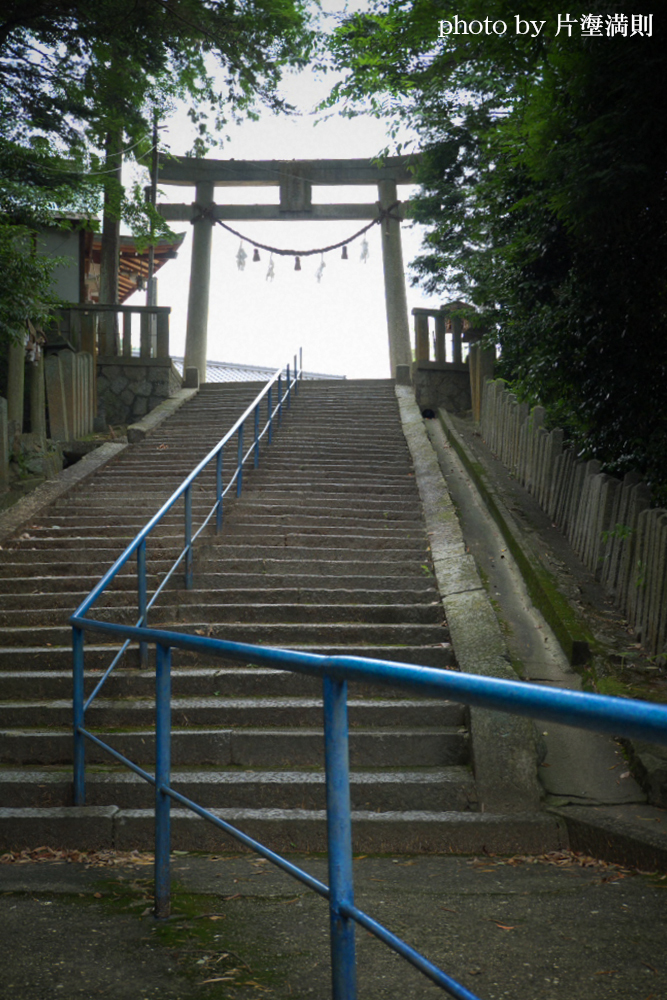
<point>543,192</point>
<point>25,283</point>
<point>75,72</point>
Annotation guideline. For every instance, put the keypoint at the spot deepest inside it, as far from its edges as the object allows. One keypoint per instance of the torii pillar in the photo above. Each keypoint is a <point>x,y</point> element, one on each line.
<point>295,178</point>
<point>396,303</point>
<point>200,280</point>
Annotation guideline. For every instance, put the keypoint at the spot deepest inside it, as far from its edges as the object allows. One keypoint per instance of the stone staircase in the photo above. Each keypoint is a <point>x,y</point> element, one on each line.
<point>326,551</point>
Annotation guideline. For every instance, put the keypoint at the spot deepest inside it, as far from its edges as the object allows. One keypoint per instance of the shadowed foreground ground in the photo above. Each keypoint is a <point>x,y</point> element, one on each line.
<point>530,929</point>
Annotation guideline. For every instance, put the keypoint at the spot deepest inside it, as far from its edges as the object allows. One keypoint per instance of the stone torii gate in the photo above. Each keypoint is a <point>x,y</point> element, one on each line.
<point>295,178</point>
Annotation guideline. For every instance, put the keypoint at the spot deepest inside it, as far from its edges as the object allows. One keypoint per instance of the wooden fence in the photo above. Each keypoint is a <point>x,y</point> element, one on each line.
<point>609,523</point>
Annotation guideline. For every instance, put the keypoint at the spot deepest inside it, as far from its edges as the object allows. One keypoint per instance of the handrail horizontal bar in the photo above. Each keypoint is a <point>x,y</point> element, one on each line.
<point>413,957</point>
<point>146,775</point>
<point>601,713</point>
<point>302,876</point>
<point>176,495</point>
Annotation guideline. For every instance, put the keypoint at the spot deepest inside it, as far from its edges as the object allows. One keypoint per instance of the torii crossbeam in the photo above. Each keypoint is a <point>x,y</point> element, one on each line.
<point>295,178</point>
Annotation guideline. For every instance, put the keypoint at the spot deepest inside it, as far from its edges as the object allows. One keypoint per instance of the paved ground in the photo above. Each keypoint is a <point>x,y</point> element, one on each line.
<point>529,929</point>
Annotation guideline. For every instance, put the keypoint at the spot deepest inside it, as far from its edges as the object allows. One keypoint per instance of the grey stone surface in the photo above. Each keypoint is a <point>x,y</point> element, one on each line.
<point>445,385</point>
<point>141,429</point>
<point>503,747</point>
<point>127,390</point>
<point>527,929</point>
<point>32,505</point>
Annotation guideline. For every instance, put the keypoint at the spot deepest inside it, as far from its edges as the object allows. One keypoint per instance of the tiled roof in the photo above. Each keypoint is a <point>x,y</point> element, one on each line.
<point>227,371</point>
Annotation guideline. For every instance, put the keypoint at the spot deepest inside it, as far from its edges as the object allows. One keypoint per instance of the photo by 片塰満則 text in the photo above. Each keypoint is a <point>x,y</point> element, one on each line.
<point>587,26</point>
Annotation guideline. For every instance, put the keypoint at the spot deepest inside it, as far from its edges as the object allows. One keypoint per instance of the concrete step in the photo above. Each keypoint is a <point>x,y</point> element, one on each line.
<point>270,634</point>
<point>330,531</point>
<point>222,613</point>
<point>239,712</point>
<point>198,681</point>
<point>448,788</point>
<point>98,657</point>
<point>283,831</point>
<point>325,552</point>
<point>275,748</point>
<point>263,594</point>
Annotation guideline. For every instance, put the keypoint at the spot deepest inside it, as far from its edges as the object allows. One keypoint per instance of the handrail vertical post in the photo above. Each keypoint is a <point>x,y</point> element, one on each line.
<point>239,463</point>
<point>218,491</point>
<point>289,388</point>
<point>280,400</point>
<point>142,599</point>
<point>188,538</point>
<point>339,838</point>
<point>270,414</point>
<point>296,377</point>
<point>256,436</point>
<point>79,771</point>
<point>162,779</point>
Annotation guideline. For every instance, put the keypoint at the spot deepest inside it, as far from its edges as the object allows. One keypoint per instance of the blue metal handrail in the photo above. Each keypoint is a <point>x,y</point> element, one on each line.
<point>138,544</point>
<point>621,717</point>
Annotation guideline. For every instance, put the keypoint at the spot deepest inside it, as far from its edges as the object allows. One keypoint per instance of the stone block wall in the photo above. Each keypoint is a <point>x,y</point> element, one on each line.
<point>444,384</point>
<point>129,388</point>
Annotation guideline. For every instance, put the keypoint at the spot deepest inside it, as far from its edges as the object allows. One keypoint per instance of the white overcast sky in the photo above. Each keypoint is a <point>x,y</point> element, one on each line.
<point>340,322</point>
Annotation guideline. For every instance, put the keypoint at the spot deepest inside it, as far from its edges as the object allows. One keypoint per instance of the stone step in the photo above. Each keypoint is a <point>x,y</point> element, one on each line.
<point>285,831</point>
<point>98,508</point>
<point>234,533</point>
<point>275,748</point>
<point>329,530</point>
<point>445,788</point>
<point>282,563</point>
<point>98,657</point>
<point>201,682</point>
<point>238,712</point>
<point>269,634</point>
<point>330,547</point>
<point>308,595</point>
<point>325,551</point>
<point>122,522</point>
<point>16,585</point>
<point>251,613</point>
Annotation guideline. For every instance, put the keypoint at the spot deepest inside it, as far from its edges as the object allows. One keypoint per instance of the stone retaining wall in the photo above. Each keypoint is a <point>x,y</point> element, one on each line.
<point>442,384</point>
<point>129,388</point>
<point>609,523</point>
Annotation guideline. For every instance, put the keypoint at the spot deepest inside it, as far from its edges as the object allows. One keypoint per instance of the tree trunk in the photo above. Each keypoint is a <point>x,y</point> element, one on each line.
<point>110,250</point>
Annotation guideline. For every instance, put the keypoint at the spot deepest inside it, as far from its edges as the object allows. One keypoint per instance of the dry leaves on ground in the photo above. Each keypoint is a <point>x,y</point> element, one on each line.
<point>96,859</point>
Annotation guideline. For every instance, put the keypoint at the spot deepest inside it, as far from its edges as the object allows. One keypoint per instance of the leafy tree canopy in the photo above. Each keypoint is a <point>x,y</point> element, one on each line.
<point>544,195</point>
<point>74,72</point>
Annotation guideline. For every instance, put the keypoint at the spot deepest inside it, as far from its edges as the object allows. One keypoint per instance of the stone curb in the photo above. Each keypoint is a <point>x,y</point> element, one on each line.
<point>504,750</point>
<point>573,638</point>
<point>32,505</point>
<point>595,831</point>
<point>149,423</point>
<point>591,830</point>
